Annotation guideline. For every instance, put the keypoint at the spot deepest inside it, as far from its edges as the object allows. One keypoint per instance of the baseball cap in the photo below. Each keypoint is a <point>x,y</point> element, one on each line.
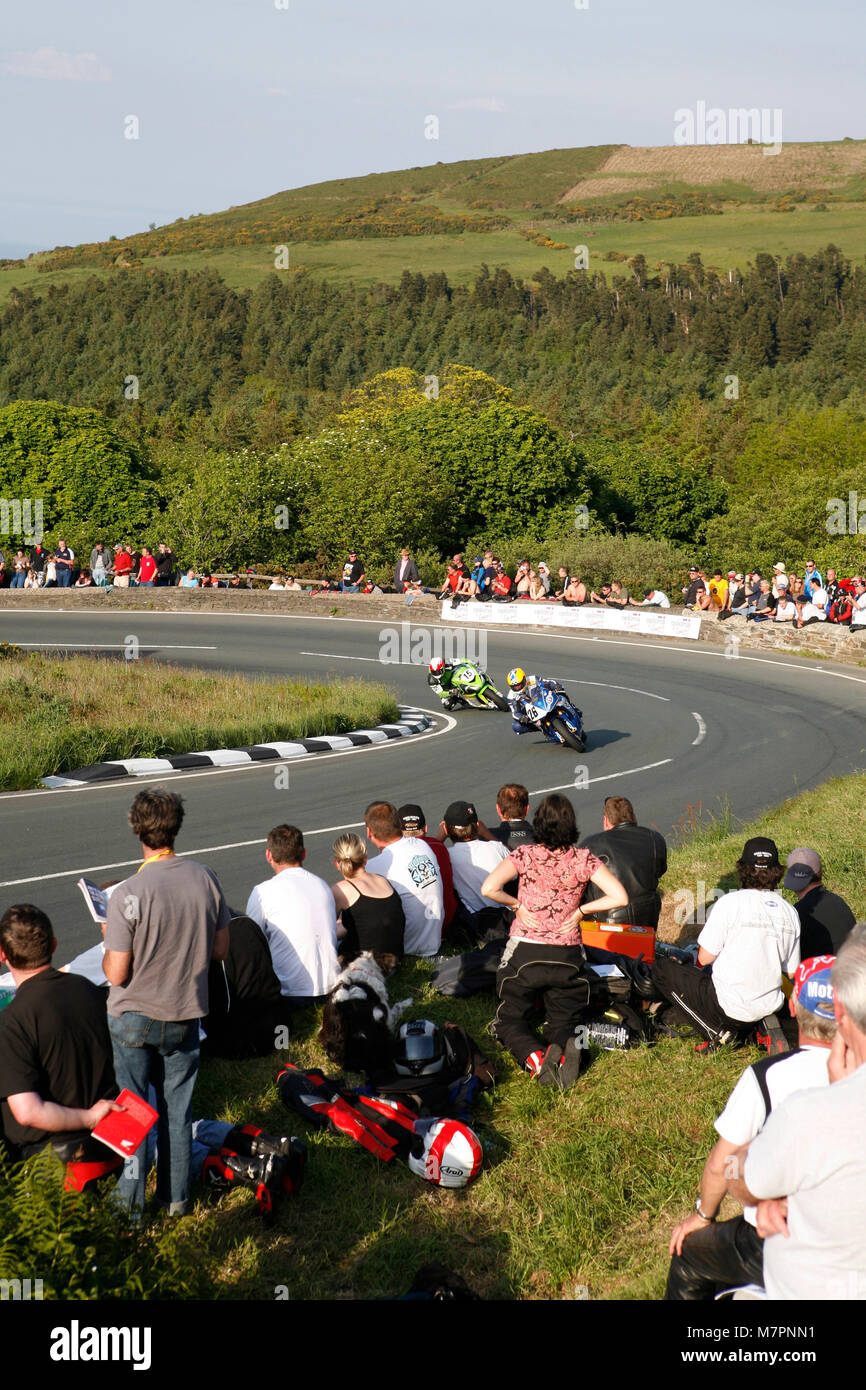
<point>647,592</point>
<point>813,985</point>
<point>732,574</point>
<point>411,816</point>
<point>802,865</point>
<point>760,852</point>
<point>460,815</point>
<point>478,560</point>
<point>693,569</point>
<point>738,577</point>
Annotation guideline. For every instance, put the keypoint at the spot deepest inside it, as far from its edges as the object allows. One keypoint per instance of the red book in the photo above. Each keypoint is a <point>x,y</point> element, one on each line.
<point>124,1130</point>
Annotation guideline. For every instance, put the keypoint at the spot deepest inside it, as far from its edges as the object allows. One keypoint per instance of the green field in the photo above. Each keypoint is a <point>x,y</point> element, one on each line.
<point>809,196</point>
<point>724,242</point>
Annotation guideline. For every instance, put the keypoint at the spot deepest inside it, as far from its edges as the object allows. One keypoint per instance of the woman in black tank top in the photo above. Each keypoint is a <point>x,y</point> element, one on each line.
<point>370,910</point>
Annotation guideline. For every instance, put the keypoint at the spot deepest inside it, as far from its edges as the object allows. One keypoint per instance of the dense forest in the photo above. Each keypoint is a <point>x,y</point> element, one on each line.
<point>715,412</point>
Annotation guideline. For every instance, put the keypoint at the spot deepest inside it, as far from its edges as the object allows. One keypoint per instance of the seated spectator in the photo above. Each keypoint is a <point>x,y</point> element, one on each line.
<point>410,866</point>
<point>370,911</point>
<point>472,859</point>
<point>695,587</point>
<point>574,593</point>
<point>537,591</point>
<point>811,1154</point>
<point>414,824</point>
<point>718,589</point>
<point>449,585</point>
<point>704,600</point>
<point>795,585</point>
<point>56,1070</point>
<point>479,578</point>
<point>808,612</point>
<point>325,586</point>
<point>812,580</point>
<point>652,598</point>
<point>708,1255</point>
<point>295,910</point>
<point>405,571</point>
<point>523,580</point>
<point>780,579</point>
<point>750,938</point>
<point>764,607</point>
<point>858,615</point>
<point>84,580</point>
<point>602,597</point>
<point>32,580</point>
<point>293,585</point>
<point>246,1006</point>
<point>637,856</point>
<point>512,808</point>
<point>786,609</point>
<point>544,578</point>
<point>188,580</point>
<point>276,584</point>
<point>825,918</point>
<point>563,581</point>
<point>503,589</point>
<point>353,575</point>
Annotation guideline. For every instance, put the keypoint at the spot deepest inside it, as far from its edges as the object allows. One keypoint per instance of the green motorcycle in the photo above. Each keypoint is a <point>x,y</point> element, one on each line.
<point>461,685</point>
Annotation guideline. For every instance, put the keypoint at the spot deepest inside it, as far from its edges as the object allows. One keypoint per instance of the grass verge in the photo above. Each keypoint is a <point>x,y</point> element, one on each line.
<point>580,1191</point>
<point>59,714</point>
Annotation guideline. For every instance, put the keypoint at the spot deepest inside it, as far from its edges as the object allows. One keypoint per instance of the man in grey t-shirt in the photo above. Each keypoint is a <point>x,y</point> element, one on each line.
<point>164,926</point>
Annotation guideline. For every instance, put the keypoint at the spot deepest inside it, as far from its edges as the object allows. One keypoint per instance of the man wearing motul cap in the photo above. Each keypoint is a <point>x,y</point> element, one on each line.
<point>709,1255</point>
<point>825,918</point>
<point>751,937</point>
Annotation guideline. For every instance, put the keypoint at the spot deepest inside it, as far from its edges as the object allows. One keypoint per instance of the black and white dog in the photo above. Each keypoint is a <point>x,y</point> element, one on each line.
<point>358,1018</point>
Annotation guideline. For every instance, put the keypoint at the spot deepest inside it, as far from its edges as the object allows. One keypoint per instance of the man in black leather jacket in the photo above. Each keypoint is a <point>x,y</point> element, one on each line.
<point>637,856</point>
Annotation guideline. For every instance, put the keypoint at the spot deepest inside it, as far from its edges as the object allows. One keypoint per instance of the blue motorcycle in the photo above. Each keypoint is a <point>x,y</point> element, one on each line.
<point>550,710</point>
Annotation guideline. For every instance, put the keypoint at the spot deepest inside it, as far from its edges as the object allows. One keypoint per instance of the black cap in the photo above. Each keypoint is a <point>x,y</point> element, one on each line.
<point>460,815</point>
<point>411,816</point>
<point>647,592</point>
<point>760,853</point>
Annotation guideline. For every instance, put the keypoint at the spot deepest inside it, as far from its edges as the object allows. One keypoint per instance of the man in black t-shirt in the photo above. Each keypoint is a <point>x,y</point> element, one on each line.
<point>353,574</point>
<point>825,918</point>
<point>635,854</point>
<point>512,808</point>
<point>56,1070</point>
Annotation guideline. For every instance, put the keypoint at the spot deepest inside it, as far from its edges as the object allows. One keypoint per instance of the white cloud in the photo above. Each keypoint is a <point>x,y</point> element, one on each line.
<point>478,104</point>
<point>55,66</point>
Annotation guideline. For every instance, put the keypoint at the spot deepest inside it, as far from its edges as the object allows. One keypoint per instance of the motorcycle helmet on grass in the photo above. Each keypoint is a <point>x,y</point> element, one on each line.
<point>446,1152</point>
<point>419,1049</point>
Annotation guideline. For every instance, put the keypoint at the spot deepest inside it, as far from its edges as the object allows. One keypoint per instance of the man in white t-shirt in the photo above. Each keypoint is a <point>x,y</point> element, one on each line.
<point>807,1167</point>
<point>652,598</point>
<point>709,1255</point>
<point>858,616</point>
<point>472,859</point>
<point>751,937</point>
<point>295,910</point>
<point>410,866</point>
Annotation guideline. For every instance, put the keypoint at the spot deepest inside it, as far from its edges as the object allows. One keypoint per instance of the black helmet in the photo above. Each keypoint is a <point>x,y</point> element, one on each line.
<point>419,1049</point>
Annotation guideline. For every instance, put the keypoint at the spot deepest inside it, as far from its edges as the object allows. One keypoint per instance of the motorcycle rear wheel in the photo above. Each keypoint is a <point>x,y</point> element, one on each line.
<point>567,735</point>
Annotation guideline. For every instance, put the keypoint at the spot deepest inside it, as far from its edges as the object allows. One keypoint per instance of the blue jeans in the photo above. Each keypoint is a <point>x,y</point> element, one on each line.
<point>165,1055</point>
<point>64,577</point>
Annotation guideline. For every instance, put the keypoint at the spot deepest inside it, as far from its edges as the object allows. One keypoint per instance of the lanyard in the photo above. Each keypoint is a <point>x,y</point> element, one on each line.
<point>160,854</point>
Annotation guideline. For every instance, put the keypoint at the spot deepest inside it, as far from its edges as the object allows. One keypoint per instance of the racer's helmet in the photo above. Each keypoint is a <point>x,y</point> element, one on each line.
<point>446,1152</point>
<point>516,678</point>
<point>437,666</point>
<point>419,1049</point>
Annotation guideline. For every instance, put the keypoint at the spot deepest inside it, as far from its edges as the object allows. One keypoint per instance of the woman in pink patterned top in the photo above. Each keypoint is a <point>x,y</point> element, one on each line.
<point>544,954</point>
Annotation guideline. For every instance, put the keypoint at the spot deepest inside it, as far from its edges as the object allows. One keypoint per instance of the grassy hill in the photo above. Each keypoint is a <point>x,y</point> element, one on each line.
<point>522,211</point>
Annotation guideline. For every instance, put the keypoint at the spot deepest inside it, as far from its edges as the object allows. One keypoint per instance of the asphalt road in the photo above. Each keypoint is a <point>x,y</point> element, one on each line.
<point>671,726</point>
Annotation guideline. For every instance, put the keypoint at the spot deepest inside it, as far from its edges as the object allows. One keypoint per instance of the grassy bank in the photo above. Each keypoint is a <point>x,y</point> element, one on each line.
<point>580,1191</point>
<point>57,715</point>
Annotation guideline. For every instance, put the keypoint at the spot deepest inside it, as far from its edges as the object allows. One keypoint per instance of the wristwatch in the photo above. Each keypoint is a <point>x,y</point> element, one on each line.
<point>702,1214</point>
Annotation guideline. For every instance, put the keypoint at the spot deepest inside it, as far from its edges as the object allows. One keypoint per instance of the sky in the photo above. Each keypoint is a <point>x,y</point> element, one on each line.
<point>234,100</point>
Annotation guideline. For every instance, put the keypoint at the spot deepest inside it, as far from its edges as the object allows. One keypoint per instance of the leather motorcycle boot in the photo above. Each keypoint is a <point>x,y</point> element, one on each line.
<point>253,1142</point>
<point>264,1175</point>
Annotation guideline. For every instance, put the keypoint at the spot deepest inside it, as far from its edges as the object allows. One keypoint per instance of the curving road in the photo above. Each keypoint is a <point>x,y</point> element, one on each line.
<point>670,726</point>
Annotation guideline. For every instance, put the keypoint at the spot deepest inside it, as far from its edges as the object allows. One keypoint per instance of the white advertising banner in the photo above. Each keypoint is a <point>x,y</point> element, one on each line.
<point>525,614</point>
